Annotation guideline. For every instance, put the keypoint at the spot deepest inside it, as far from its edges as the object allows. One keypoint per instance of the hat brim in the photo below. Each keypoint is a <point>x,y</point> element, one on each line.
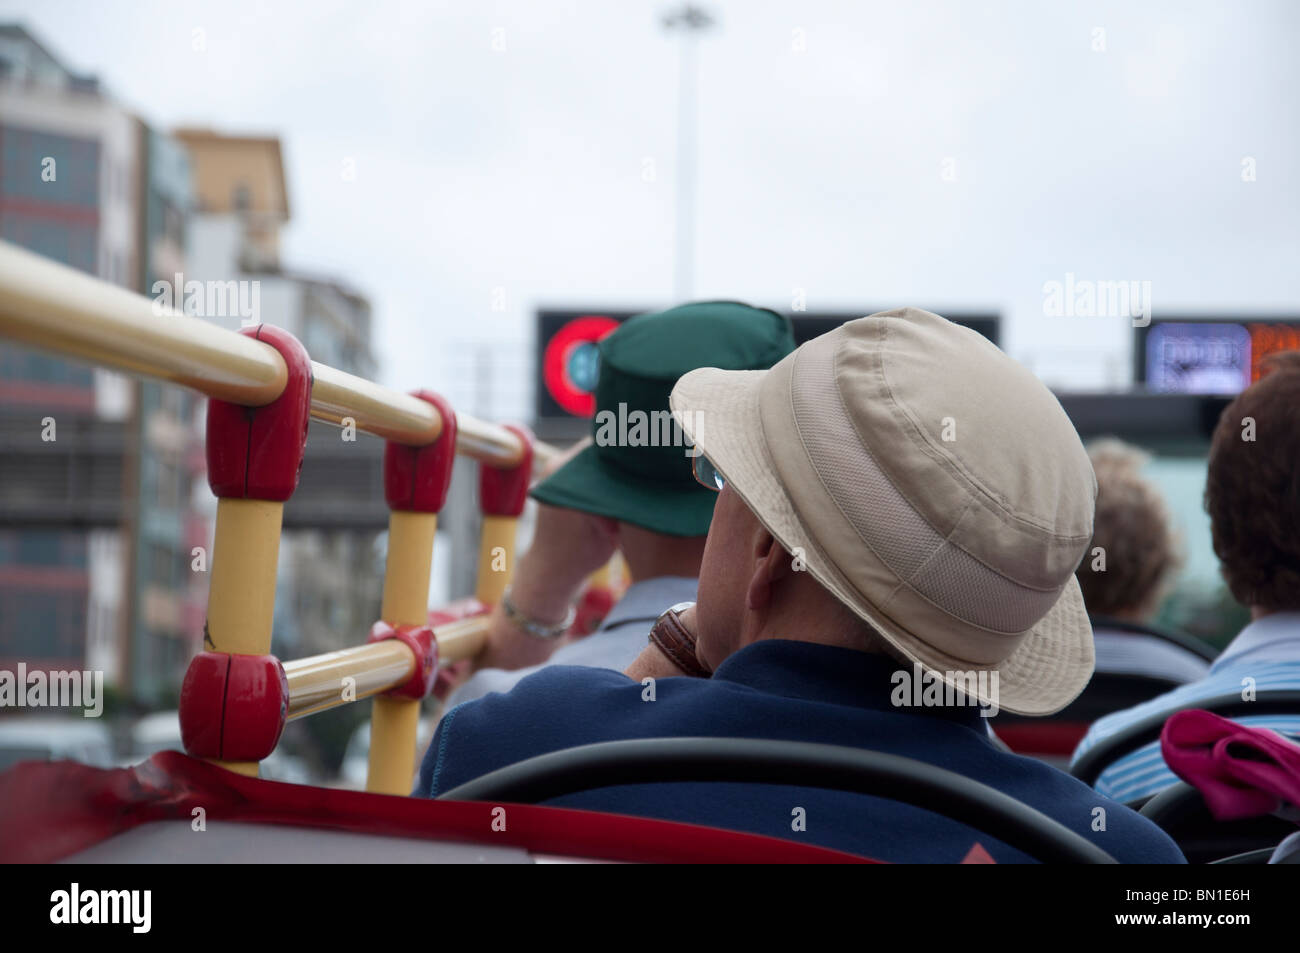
<point>588,483</point>
<point>1053,661</point>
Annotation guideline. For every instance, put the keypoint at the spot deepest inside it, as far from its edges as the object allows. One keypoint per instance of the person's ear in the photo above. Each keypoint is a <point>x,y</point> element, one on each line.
<point>770,564</point>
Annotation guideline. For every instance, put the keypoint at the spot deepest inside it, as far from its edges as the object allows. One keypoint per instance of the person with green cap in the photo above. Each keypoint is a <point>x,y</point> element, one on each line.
<point>628,488</point>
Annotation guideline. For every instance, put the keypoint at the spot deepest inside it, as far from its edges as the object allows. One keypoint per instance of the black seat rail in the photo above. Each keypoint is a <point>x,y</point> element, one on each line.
<point>1190,643</point>
<point>1281,701</point>
<point>799,764</point>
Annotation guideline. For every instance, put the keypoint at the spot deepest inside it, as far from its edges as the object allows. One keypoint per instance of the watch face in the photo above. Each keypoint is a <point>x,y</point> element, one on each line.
<point>680,607</point>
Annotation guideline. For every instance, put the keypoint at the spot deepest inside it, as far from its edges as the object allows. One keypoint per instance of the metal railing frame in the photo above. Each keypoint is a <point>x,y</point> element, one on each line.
<point>60,310</point>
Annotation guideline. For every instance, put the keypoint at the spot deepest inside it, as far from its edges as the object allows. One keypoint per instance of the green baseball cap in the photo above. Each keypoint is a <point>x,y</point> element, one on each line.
<point>638,467</point>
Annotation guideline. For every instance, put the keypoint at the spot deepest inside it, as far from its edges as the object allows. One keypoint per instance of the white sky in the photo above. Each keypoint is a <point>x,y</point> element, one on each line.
<point>523,169</point>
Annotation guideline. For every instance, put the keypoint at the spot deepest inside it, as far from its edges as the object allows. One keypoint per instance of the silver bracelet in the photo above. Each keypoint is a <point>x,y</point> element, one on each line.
<point>540,630</point>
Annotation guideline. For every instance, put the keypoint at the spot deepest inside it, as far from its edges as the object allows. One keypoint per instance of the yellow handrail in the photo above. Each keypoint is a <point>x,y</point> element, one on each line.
<point>319,682</point>
<point>316,682</point>
<point>56,308</point>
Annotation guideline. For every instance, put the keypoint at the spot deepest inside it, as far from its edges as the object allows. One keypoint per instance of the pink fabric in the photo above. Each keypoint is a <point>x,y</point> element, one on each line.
<point>1240,771</point>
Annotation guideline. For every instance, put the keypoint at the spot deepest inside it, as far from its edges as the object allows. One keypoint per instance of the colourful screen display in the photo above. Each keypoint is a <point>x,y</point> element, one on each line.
<point>1212,357</point>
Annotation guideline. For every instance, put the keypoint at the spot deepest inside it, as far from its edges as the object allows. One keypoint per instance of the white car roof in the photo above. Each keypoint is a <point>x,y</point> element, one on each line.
<point>161,726</point>
<point>52,732</point>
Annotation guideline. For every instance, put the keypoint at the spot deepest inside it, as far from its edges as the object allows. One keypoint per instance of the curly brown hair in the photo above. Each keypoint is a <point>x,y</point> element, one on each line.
<point>1252,488</point>
<point>1133,530</point>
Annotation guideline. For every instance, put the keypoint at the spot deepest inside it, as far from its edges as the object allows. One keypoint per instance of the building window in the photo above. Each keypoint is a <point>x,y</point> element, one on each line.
<point>168,486</point>
<point>162,567</point>
<point>22,159</point>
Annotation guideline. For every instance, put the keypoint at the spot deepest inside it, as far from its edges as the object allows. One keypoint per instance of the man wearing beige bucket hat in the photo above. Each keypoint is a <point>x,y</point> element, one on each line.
<point>891,559</point>
<point>932,485</point>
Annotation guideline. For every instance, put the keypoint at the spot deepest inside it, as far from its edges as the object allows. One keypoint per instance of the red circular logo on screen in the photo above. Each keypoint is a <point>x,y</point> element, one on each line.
<point>570,363</point>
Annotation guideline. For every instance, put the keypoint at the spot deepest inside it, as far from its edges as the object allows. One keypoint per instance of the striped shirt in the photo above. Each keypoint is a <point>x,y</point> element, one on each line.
<point>1265,655</point>
<point>1133,653</point>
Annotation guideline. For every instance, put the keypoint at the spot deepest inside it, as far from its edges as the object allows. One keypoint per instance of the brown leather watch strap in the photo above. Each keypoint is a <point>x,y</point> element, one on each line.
<point>675,641</point>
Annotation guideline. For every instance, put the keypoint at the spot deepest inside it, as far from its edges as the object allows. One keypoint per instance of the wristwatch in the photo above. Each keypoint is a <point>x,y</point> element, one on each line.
<point>540,630</point>
<point>677,642</point>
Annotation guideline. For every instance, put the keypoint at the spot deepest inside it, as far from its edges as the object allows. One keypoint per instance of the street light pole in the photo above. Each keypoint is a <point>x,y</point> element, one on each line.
<point>691,21</point>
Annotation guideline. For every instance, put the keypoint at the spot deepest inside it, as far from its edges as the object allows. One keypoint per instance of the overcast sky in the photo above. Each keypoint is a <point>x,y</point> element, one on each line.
<point>825,132</point>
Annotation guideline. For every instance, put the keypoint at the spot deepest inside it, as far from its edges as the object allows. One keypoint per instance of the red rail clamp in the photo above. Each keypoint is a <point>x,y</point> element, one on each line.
<point>457,610</point>
<point>419,639</point>
<point>452,674</point>
<point>233,707</point>
<point>503,491</point>
<point>255,453</point>
<point>417,478</point>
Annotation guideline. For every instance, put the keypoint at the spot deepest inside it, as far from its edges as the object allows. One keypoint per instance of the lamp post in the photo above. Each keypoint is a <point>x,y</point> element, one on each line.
<point>690,21</point>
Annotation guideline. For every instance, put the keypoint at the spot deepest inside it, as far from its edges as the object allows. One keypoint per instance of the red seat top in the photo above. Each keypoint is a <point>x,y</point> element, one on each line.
<point>51,810</point>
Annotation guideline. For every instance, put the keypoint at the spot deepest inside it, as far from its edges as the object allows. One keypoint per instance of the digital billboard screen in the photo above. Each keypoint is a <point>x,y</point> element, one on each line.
<point>1207,356</point>
<point>567,361</point>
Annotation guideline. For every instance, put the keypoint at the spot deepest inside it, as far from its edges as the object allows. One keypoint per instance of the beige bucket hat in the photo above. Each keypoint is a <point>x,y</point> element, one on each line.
<point>934,486</point>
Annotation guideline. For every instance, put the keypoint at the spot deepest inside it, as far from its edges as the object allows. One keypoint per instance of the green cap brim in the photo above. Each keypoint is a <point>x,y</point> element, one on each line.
<point>590,484</point>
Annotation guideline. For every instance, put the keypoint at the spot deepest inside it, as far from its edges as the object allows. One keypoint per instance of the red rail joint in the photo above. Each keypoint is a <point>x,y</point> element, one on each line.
<point>502,491</point>
<point>233,707</point>
<point>255,453</point>
<point>416,478</point>
<point>459,609</point>
<point>419,639</point>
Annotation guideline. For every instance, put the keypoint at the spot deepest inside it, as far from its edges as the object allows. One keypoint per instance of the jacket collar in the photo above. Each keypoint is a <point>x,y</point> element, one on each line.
<point>1274,637</point>
<point>836,676</point>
